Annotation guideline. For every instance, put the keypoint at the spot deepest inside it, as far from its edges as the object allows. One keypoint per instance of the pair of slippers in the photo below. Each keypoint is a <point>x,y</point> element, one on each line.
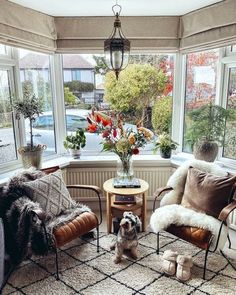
<point>177,264</point>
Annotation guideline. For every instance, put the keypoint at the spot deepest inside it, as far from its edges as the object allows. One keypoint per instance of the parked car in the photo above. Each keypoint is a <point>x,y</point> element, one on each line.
<point>43,130</point>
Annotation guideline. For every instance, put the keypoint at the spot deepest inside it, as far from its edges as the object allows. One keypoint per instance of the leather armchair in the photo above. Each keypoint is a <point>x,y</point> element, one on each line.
<point>81,224</point>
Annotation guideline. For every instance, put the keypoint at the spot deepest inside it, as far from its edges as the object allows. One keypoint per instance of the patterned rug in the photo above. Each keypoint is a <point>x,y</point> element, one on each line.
<point>84,271</point>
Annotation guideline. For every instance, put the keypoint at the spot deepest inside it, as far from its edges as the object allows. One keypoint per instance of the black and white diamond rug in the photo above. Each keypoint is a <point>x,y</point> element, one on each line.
<point>84,271</point>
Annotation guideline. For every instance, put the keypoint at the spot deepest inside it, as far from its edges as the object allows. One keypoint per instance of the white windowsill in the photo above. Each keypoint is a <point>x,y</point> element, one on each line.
<point>64,161</point>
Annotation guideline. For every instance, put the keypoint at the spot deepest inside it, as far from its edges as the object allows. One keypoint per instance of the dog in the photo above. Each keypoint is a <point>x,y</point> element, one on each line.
<point>127,238</point>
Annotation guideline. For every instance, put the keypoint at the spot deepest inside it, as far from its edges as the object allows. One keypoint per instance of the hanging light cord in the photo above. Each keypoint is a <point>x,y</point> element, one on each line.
<point>119,8</point>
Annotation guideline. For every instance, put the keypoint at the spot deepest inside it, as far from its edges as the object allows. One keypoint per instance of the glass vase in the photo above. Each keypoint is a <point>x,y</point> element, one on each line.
<point>125,167</point>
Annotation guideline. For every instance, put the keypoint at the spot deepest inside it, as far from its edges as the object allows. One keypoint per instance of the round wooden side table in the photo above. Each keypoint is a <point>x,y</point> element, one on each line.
<point>113,209</point>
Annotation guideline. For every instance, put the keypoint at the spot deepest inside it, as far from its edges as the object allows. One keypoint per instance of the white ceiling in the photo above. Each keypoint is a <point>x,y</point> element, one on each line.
<point>103,7</point>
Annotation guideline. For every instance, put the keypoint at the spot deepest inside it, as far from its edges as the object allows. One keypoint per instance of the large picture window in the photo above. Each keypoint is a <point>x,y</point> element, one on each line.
<point>7,134</point>
<point>200,88</point>
<point>142,94</point>
<point>229,150</point>
<point>35,79</point>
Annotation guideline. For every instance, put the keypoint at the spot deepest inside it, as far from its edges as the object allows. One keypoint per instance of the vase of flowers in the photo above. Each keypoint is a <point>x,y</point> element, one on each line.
<point>123,142</point>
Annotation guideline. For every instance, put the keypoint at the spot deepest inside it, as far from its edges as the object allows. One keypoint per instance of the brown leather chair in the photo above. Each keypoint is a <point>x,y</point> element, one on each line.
<point>80,225</point>
<point>201,238</point>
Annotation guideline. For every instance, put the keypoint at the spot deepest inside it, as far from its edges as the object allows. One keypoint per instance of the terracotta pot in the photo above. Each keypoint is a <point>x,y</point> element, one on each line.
<point>205,150</point>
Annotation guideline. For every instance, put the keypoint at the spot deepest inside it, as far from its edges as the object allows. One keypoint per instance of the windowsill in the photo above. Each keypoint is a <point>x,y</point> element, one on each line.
<point>103,160</point>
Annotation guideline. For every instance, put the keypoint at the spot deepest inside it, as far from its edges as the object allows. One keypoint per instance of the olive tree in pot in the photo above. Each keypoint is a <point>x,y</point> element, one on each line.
<point>30,108</point>
<point>206,132</point>
<point>165,144</point>
<point>74,142</point>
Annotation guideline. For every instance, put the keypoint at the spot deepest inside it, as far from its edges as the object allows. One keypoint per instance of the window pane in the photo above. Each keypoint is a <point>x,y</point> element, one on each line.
<point>230,134</point>
<point>3,49</point>
<point>35,79</point>
<point>85,87</point>
<point>7,137</point>
<point>201,70</point>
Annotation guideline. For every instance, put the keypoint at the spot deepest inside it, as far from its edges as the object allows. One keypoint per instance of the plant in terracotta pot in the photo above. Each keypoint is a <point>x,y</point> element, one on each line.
<point>165,144</point>
<point>206,132</point>
<point>74,142</point>
<point>30,108</point>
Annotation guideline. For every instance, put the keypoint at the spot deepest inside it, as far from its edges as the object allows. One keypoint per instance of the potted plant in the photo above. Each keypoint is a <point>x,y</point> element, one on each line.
<point>165,144</point>
<point>207,129</point>
<point>74,142</point>
<point>30,108</point>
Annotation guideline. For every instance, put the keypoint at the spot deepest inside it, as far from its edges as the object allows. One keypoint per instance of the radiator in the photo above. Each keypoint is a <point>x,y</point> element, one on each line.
<point>155,176</point>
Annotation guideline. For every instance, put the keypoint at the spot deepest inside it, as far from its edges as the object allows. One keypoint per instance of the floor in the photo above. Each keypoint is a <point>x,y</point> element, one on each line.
<point>230,252</point>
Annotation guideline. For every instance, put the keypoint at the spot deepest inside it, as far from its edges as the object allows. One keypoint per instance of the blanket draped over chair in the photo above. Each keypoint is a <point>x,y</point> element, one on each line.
<point>28,229</point>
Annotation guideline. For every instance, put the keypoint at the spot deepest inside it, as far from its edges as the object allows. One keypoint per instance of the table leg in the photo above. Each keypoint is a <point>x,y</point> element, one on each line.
<point>109,219</point>
<point>144,209</point>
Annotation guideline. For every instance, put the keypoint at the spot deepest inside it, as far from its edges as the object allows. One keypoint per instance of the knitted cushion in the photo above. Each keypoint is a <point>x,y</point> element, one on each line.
<point>51,193</point>
<point>207,193</point>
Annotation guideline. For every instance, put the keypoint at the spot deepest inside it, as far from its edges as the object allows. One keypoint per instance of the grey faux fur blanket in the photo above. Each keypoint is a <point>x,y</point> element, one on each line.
<point>24,232</point>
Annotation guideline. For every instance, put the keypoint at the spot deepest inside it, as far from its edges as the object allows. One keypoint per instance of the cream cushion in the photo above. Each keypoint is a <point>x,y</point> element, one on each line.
<point>51,193</point>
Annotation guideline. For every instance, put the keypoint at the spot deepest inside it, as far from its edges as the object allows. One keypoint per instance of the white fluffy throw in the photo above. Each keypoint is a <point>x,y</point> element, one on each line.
<point>171,213</point>
<point>178,215</point>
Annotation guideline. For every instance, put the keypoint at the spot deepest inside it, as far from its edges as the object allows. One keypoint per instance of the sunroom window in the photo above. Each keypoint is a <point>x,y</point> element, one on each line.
<point>200,87</point>
<point>143,91</point>
<point>35,79</point>
<point>229,150</point>
<point>7,132</point>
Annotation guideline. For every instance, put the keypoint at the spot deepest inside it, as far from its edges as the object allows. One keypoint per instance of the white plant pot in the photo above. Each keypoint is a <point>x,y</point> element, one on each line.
<point>75,153</point>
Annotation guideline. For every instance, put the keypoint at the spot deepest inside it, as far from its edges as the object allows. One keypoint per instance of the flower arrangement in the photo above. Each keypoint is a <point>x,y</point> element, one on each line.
<point>117,139</point>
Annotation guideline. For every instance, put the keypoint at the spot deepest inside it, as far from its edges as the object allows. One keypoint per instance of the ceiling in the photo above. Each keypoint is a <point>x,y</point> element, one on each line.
<point>103,7</point>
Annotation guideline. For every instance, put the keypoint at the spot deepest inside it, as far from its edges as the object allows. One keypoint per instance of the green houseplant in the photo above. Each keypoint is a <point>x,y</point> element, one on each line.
<point>206,131</point>
<point>74,142</point>
<point>165,144</point>
<point>30,108</point>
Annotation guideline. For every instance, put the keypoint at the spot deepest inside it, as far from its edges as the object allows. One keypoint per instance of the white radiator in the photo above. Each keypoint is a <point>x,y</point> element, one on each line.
<point>155,176</point>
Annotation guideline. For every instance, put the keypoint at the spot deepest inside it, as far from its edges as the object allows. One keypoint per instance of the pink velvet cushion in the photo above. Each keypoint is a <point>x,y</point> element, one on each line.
<point>207,193</point>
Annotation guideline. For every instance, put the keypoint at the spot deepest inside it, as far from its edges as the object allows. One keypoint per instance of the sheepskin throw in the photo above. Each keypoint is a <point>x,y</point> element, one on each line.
<point>170,212</point>
<point>51,193</point>
<point>178,179</point>
<point>163,217</point>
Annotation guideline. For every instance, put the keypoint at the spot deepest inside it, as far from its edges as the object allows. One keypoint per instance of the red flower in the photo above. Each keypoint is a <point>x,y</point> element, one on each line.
<point>92,128</point>
<point>105,133</point>
<point>135,151</point>
<point>114,132</point>
<point>98,119</point>
<point>105,122</point>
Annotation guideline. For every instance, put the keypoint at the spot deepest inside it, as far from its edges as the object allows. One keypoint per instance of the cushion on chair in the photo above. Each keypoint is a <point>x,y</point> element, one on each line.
<point>207,193</point>
<point>50,192</point>
<point>77,227</point>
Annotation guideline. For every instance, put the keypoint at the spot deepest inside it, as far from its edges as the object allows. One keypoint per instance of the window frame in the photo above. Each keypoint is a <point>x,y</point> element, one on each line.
<point>225,58</point>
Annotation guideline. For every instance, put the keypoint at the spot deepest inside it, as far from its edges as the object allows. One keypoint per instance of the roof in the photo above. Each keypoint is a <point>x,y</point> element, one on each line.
<point>70,61</point>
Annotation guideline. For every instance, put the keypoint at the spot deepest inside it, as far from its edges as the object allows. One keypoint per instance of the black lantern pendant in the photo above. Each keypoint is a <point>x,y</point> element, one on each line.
<point>117,47</point>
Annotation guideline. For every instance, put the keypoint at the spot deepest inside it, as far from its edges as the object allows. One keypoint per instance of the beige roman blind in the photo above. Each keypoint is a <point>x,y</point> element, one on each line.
<point>209,27</point>
<point>26,28</point>
<point>89,33</point>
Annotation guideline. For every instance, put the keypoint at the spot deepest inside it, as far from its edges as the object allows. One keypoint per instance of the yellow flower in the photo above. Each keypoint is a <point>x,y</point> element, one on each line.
<point>131,138</point>
<point>148,134</point>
